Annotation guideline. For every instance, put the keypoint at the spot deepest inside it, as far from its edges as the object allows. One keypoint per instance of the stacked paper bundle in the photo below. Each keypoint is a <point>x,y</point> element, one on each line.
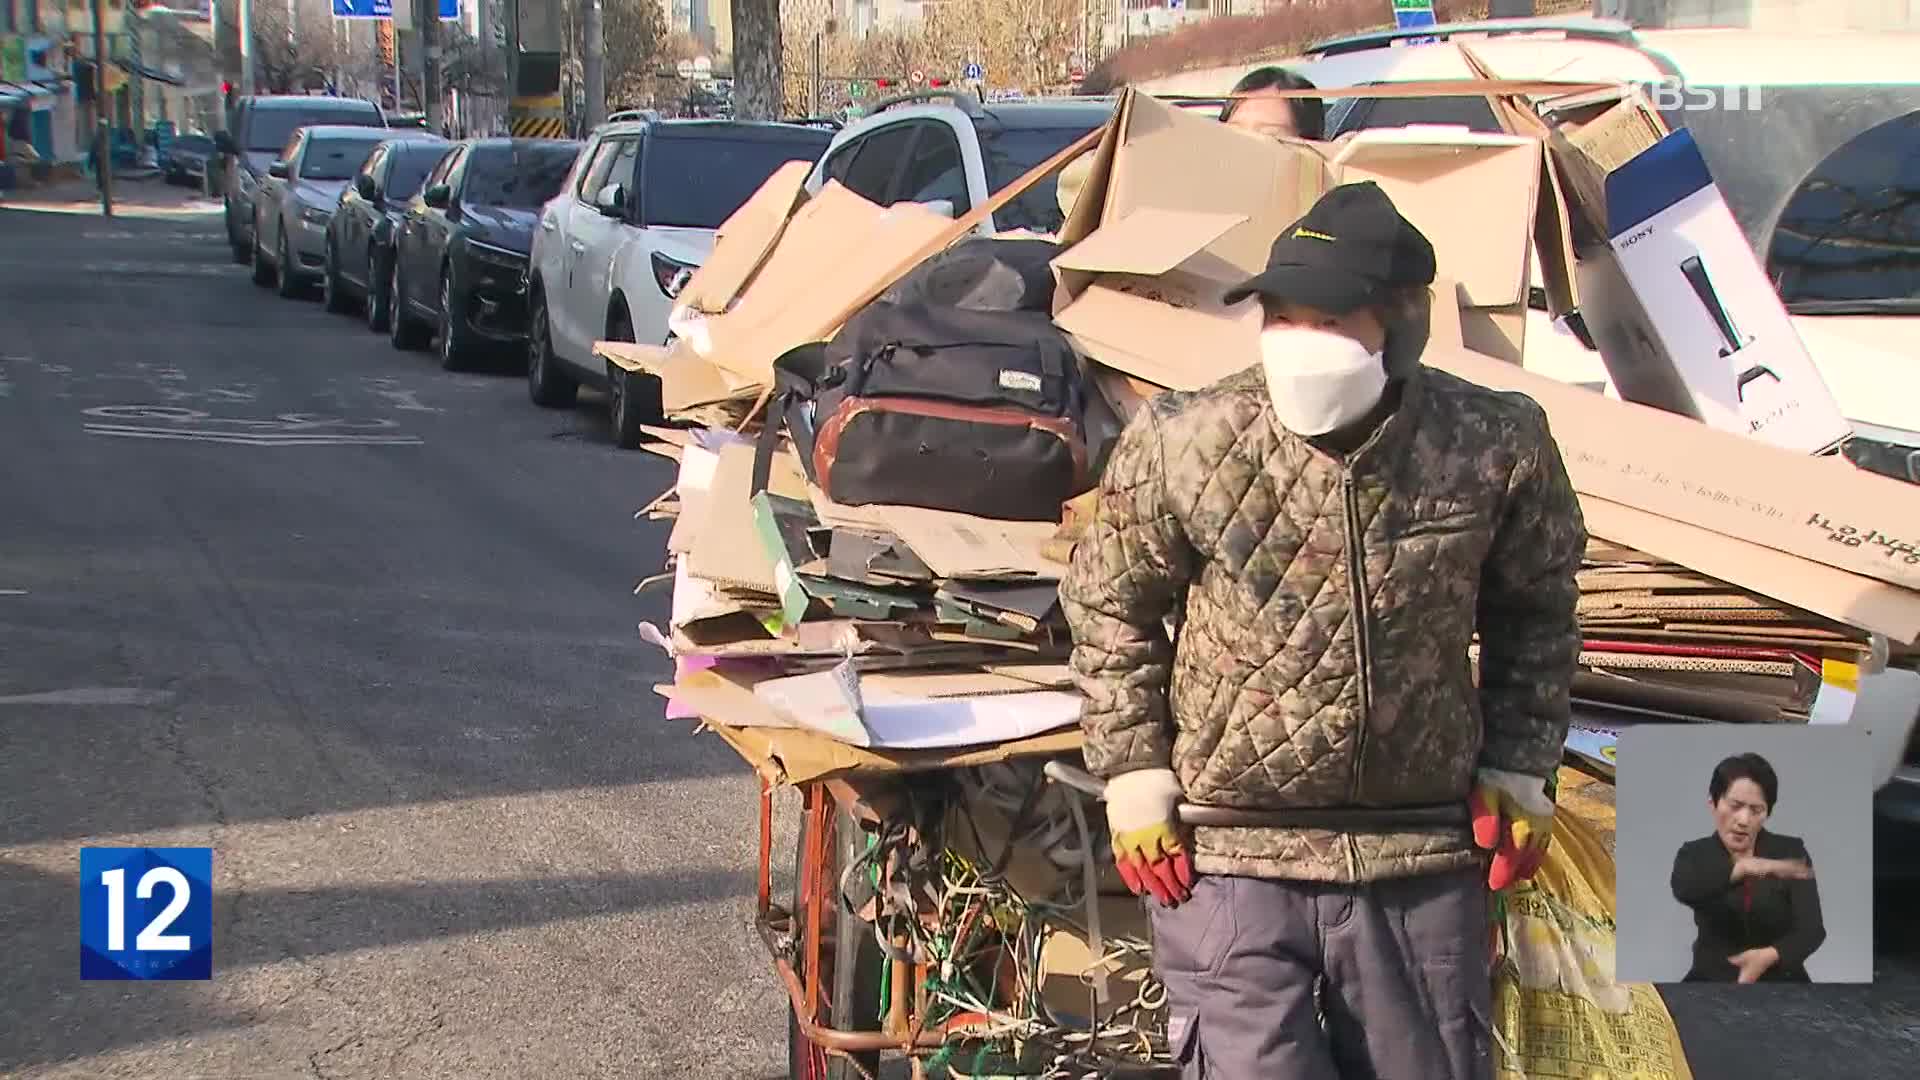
<point>881,626</point>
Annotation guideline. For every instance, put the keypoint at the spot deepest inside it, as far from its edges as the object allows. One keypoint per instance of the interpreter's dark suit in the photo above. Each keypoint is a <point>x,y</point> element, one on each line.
<point>1732,917</point>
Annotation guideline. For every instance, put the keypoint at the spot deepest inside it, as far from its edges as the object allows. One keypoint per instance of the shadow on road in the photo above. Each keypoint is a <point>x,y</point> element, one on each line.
<point>53,1017</point>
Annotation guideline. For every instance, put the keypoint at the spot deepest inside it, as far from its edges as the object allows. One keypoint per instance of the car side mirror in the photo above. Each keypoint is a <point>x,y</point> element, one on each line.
<point>611,201</point>
<point>223,142</point>
<point>438,196</point>
<point>364,185</point>
<point>277,170</point>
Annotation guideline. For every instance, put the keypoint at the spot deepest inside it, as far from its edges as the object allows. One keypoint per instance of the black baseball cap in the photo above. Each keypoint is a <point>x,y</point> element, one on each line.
<point>1344,253</point>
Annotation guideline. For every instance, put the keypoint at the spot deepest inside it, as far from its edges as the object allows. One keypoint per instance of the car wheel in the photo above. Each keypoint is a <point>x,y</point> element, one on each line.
<point>333,291</point>
<point>287,275</point>
<point>262,272</point>
<point>633,398</point>
<point>549,387</point>
<point>403,330</point>
<point>453,344</point>
<point>379,309</point>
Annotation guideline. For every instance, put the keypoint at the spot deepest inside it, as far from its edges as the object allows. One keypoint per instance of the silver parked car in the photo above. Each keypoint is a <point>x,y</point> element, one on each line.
<point>298,197</point>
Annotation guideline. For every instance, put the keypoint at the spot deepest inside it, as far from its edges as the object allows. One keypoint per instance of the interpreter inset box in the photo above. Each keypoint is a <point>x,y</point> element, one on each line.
<point>1744,854</point>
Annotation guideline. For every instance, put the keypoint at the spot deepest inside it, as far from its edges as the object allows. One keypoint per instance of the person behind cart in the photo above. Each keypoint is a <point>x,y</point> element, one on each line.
<point>1756,909</point>
<point>1258,108</point>
<point>1330,528</point>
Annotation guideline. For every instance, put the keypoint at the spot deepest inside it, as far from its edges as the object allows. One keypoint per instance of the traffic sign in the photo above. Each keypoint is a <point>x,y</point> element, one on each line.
<point>383,9</point>
<point>857,89</point>
<point>917,77</point>
<point>975,72</point>
<point>1412,14</point>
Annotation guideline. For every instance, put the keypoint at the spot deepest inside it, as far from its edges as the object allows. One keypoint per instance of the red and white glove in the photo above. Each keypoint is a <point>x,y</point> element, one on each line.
<point>1513,818</point>
<point>1142,815</point>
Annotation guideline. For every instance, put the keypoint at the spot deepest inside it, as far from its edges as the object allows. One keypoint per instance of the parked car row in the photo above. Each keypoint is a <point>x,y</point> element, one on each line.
<point>536,249</point>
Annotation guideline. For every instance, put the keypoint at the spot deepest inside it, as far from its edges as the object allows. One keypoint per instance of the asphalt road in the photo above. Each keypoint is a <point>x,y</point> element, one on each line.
<point>382,657</point>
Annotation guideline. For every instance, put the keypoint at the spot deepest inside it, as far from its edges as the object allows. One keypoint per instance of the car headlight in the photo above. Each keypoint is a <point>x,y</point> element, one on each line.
<point>671,275</point>
<point>314,215</point>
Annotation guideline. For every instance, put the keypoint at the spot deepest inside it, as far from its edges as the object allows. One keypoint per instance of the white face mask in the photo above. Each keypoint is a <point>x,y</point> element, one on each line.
<point>1319,381</point>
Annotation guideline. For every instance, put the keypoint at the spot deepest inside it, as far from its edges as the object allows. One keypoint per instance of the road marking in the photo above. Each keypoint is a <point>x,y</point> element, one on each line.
<point>91,695</point>
<point>243,438</point>
<point>13,592</point>
<point>401,397</point>
<point>164,269</point>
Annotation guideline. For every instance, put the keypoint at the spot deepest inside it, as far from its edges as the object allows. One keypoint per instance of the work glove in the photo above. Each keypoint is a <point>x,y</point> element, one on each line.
<point>1513,818</point>
<point>1142,811</point>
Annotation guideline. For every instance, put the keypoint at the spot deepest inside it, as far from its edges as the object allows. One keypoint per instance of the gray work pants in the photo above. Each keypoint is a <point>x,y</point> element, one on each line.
<point>1400,966</point>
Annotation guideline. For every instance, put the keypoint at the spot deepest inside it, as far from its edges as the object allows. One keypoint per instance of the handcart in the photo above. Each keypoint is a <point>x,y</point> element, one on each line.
<point>861,989</point>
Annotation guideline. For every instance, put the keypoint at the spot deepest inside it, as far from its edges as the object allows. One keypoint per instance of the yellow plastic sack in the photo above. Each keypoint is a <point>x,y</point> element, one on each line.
<point>1558,1014</point>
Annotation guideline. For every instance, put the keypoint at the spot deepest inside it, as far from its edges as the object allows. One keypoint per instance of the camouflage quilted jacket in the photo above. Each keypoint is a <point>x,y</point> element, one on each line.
<point>1324,608</point>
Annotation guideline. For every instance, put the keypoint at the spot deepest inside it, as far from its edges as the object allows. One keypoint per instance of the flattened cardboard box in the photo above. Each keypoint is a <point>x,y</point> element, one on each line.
<point>1823,509</point>
<point>1151,250</point>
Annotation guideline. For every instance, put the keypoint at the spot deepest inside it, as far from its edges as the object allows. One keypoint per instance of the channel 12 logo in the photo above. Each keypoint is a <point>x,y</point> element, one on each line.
<point>146,913</point>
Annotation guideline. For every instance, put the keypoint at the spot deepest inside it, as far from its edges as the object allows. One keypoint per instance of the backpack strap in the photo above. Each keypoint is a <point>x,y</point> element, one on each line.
<point>797,374</point>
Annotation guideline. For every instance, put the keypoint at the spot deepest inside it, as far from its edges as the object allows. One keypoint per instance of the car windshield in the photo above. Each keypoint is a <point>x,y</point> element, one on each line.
<point>335,159</point>
<point>1848,239</point>
<point>269,129</point>
<point>1010,153</point>
<point>519,176</point>
<point>410,167</point>
<point>698,182</point>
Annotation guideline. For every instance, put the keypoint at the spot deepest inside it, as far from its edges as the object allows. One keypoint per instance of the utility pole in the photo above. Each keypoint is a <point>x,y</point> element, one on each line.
<point>246,47</point>
<point>430,71</point>
<point>593,64</point>
<point>103,126</point>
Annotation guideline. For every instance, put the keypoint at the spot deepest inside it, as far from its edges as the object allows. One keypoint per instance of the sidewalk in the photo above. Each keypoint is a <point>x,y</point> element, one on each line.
<point>144,198</point>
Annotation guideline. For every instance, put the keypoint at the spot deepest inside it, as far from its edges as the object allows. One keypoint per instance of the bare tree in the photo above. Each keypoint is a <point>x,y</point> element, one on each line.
<point>637,49</point>
<point>757,89</point>
<point>281,64</point>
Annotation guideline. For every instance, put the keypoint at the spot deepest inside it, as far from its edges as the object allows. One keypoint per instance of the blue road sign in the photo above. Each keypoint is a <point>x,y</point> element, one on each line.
<point>1412,14</point>
<point>975,72</point>
<point>383,9</point>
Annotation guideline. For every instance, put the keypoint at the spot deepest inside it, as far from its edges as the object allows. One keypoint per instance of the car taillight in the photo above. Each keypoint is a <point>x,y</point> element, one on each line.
<point>670,274</point>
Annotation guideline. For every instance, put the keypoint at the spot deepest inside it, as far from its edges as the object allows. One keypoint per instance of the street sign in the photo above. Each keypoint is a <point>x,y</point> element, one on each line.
<point>1412,14</point>
<point>975,72</point>
<point>857,89</point>
<point>383,9</point>
<point>917,77</point>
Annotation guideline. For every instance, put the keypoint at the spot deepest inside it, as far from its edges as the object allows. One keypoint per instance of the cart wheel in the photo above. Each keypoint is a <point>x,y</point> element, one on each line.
<point>850,985</point>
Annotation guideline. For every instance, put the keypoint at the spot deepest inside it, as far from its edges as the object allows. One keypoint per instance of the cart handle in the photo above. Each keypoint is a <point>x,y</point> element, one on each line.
<point>1328,817</point>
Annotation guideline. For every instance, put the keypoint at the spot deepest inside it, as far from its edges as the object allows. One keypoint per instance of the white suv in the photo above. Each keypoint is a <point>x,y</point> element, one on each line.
<point>637,214</point>
<point>949,151</point>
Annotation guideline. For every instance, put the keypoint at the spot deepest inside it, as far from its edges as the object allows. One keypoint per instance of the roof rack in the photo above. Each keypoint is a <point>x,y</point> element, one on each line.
<point>964,100</point>
<point>1578,28</point>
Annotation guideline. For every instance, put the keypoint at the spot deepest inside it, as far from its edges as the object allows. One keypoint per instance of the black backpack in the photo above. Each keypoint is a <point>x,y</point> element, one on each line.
<point>915,404</point>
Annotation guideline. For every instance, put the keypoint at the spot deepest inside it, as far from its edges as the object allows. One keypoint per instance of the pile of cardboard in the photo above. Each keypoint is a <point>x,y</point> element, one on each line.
<point>1737,563</point>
